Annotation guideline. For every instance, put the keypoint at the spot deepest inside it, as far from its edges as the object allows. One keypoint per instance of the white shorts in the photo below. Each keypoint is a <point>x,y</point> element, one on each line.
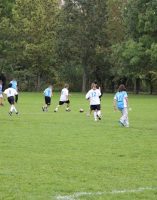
<point>1,95</point>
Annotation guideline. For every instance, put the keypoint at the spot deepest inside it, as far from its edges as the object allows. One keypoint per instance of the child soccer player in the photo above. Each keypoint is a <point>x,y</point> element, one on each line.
<point>15,86</point>
<point>64,98</point>
<point>121,103</point>
<point>1,93</point>
<point>94,97</point>
<point>10,93</point>
<point>47,95</point>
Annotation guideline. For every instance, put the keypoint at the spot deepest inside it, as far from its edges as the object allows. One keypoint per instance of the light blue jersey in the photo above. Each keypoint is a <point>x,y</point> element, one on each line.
<point>48,92</point>
<point>120,98</point>
<point>14,84</point>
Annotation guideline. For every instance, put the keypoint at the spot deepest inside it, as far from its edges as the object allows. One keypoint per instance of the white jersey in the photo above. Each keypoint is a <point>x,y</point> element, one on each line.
<point>64,94</point>
<point>10,92</point>
<point>94,96</point>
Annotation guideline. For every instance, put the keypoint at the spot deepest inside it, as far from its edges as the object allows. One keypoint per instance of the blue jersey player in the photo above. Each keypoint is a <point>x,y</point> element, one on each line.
<point>121,103</point>
<point>47,96</point>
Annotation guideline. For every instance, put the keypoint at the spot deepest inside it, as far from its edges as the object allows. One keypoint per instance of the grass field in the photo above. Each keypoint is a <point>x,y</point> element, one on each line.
<point>68,156</point>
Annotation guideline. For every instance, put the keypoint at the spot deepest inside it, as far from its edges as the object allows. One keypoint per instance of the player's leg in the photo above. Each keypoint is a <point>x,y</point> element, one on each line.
<point>124,116</point>
<point>1,100</point>
<point>11,101</point>
<point>121,120</point>
<point>68,106</point>
<point>47,103</point>
<point>16,98</point>
<point>57,107</point>
<point>94,108</point>
<point>95,115</point>
<point>14,109</point>
<point>99,112</point>
<point>126,120</point>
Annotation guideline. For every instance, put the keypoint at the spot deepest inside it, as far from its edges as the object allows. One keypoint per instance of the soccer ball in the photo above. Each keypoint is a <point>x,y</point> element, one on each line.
<point>68,109</point>
<point>81,110</point>
<point>56,110</point>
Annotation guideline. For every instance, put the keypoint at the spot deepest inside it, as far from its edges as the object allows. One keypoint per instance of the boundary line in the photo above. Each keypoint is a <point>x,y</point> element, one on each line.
<point>77,195</point>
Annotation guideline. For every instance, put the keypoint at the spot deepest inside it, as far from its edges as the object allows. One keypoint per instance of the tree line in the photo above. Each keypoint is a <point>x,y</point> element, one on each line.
<point>79,41</point>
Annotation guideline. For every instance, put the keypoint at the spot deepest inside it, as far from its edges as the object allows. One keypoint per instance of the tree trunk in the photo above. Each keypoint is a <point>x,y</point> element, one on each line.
<point>137,86</point>
<point>38,82</point>
<point>84,81</point>
<point>151,88</point>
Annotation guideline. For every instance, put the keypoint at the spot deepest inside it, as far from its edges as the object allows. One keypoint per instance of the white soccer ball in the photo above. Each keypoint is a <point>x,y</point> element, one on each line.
<point>81,110</point>
<point>56,110</point>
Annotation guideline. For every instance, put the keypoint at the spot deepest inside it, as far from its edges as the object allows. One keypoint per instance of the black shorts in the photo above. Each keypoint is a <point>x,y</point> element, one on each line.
<point>11,100</point>
<point>48,100</point>
<point>95,107</point>
<point>63,102</point>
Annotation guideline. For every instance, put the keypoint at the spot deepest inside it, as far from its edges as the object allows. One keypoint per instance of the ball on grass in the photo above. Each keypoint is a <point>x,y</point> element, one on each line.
<point>81,110</point>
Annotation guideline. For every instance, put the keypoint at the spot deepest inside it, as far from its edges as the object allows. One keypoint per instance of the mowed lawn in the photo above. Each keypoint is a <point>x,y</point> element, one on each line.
<point>68,156</point>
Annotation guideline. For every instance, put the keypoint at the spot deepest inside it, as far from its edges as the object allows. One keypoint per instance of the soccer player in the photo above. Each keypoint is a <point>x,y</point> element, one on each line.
<point>64,98</point>
<point>121,103</point>
<point>94,98</point>
<point>1,93</point>
<point>11,93</point>
<point>15,86</point>
<point>47,94</point>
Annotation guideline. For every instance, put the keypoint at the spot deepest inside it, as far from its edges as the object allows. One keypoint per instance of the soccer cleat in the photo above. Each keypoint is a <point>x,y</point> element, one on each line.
<point>43,109</point>
<point>10,113</point>
<point>121,123</point>
<point>99,117</point>
<point>68,110</point>
<point>17,113</point>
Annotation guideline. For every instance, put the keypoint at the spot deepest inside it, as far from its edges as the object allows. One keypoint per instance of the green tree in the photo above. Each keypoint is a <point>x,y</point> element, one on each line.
<point>81,33</point>
<point>34,23</point>
<point>137,54</point>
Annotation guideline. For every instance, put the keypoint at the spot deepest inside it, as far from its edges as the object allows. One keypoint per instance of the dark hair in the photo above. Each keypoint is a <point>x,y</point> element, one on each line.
<point>121,88</point>
<point>10,85</point>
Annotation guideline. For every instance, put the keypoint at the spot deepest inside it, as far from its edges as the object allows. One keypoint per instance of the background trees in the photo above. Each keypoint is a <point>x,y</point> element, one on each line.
<point>79,41</point>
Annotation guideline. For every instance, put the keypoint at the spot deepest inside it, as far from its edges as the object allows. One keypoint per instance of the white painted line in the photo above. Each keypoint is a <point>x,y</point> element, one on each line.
<point>76,195</point>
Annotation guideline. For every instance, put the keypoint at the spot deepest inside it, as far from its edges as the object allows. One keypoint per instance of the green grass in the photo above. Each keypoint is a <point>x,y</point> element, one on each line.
<point>43,155</point>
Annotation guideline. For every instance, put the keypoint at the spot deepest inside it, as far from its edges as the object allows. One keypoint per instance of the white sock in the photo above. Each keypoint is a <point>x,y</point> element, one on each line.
<point>95,115</point>
<point>12,108</point>
<point>99,113</point>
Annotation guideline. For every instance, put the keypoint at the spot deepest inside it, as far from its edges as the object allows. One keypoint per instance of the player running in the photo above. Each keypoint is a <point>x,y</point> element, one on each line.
<point>64,98</point>
<point>11,93</point>
<point>15,86</point>
<point>47,94</point>
<point>94,98</point>
<point>1,93</point>
<point>121,103</point>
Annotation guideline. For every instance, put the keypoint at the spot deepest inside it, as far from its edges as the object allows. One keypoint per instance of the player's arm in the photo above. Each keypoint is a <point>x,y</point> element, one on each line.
<point>15,92</point>
<point>88,96</point>
<point>127,102</point>
<point>100,95</point>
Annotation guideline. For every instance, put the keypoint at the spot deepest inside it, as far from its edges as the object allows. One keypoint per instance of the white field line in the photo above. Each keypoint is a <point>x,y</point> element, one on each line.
<point>76,195</point>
